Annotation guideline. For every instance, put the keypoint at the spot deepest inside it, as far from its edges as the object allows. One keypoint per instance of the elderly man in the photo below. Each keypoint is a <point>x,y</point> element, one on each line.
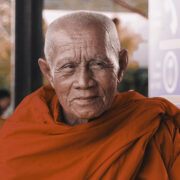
<point>79,127</point>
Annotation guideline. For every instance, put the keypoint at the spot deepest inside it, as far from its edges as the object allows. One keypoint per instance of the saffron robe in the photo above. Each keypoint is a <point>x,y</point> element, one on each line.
<point>137,138</point>
<point>1,122</point>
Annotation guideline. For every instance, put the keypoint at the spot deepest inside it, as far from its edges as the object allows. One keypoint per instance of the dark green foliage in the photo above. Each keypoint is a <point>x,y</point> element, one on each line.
<point>135,79</point>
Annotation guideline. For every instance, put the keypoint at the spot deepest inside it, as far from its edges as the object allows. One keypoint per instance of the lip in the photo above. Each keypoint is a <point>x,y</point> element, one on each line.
<point>86,100</point>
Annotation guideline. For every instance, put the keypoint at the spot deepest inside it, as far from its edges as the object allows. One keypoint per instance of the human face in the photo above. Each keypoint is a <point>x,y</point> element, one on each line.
<point>84,72</point>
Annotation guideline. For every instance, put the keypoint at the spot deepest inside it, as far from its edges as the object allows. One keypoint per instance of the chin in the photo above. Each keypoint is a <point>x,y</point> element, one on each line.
<point>88,114</point>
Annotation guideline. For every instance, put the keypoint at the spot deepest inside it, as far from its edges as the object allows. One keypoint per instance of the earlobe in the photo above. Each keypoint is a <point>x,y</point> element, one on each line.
<point>46,71</point>
<point>123,62</point>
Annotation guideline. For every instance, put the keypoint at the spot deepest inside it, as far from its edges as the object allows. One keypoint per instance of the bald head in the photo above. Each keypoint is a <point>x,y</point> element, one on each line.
<point>77,22</point>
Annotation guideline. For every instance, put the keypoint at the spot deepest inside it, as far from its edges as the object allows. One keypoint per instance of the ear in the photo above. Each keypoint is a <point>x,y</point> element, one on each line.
<point>46,71</point>
<point>123,62</point>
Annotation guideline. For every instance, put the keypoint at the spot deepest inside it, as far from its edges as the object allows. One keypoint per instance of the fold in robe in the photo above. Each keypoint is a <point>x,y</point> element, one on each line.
<point>1,122</point>
<point>137,138</point>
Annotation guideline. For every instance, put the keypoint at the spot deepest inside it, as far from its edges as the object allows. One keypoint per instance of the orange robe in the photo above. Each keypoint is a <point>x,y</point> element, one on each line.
<point>138,138</point>
<point>1,122</point>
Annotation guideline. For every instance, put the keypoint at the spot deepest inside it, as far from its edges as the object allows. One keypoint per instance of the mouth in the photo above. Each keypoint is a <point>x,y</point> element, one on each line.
<point>86,100</point>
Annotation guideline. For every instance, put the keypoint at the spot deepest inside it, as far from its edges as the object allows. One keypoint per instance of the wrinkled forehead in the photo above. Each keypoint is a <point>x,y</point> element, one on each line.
<point>90,34</point>
<point>87,36</point>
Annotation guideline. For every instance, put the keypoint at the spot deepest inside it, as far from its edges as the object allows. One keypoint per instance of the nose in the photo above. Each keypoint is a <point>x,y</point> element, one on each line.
<point>84,79</point>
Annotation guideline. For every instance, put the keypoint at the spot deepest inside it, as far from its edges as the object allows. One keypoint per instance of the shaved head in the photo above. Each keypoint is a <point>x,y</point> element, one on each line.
<point>76,22</point>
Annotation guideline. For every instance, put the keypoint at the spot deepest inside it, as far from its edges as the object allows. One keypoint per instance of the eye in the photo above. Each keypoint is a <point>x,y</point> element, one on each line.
<point>68,66</point>
<point>97,64</point>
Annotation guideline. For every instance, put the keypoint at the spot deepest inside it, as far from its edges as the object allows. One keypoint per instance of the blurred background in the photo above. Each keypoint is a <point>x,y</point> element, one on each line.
<point>149,30</point>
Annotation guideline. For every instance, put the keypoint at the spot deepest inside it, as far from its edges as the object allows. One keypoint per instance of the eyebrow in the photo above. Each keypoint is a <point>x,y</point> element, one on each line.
<point>70,59</point>
<point>104,58</point>
<point>65,60</point>
<point>101,57</point>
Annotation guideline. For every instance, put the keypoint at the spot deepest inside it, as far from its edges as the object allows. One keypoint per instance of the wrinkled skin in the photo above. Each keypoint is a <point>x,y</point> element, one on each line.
<point>84,73</point>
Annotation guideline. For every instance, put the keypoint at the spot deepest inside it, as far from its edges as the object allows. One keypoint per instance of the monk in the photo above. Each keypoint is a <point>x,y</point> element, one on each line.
<point>79,127</point>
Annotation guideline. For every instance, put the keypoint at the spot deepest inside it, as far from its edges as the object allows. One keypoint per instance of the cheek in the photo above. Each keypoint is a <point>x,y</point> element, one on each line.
<point>62,87</point>
<point>107,84</point>
<point>106,80</point>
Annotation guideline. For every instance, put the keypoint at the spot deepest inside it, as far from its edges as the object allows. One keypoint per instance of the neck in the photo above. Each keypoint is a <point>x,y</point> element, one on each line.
<point>72,120</point>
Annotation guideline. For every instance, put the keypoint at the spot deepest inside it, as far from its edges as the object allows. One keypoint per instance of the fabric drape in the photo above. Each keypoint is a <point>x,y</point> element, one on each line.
<point>137,138</point>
